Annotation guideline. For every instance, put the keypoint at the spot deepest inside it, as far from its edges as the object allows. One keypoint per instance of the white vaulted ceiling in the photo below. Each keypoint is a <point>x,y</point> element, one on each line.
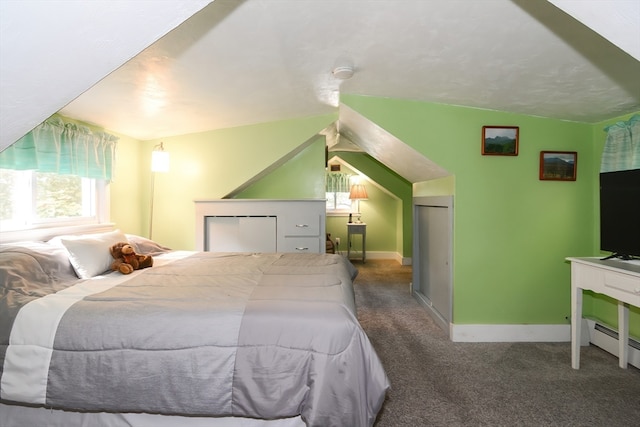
<point>242,62</point>
<point>52,51</point>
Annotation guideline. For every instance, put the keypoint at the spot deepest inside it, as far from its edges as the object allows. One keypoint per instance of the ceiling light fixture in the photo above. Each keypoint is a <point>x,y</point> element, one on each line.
<point>343,73</point>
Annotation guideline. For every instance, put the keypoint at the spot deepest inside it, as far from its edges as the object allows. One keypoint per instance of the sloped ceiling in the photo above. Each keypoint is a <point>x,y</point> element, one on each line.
<point>384,147</point>
<point>52,51</point>
<point>237,62</point>
<point>616,21</point>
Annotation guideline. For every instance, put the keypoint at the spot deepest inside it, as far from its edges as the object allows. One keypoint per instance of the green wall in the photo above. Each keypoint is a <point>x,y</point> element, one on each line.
<point>395,212</point>
<point>436,187</point>
<point>380,211</point>
<point>127,193</point>
<point>211,165</point>
<point>512,231</point>
<point>301,177</point>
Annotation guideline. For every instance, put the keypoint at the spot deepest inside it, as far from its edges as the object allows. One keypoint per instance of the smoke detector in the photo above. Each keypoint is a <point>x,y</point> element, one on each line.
<point>343,73</point>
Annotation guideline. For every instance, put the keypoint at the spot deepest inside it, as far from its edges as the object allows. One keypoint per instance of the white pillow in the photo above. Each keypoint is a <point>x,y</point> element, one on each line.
<point>89,254</point>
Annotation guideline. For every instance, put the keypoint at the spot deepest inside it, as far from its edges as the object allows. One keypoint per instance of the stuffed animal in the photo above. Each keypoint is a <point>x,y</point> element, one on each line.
<point>126,260</point>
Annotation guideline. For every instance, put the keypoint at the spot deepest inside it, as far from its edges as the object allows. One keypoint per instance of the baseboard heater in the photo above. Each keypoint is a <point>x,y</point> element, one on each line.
<point>606,338</point>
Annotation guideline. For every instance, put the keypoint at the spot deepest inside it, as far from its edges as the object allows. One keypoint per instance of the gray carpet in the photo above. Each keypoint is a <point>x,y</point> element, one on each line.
<point>435,382</point>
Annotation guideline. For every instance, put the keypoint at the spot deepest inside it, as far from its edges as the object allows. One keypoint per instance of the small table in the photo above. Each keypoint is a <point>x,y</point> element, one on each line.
<point>357,228</point>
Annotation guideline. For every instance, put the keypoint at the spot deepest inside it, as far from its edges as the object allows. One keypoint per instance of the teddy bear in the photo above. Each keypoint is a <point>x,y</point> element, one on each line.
<point>126,260</point>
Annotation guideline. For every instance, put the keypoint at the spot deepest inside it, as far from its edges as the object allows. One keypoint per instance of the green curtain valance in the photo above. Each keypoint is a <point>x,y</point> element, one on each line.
<point>622,148</point>
<point>63,148</point>
<point>337,182</point>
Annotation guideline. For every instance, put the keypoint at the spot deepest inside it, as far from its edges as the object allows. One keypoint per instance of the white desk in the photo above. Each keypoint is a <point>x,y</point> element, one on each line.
<point>619,280</point>
<point>357,228</point>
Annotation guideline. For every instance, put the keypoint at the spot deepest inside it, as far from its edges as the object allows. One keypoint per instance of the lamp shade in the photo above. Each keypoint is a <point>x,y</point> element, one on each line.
<point>159,159</point>
<point>358,192</point>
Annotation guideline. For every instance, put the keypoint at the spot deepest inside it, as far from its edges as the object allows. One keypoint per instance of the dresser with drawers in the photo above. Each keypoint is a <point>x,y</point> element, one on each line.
<point>260,225</point>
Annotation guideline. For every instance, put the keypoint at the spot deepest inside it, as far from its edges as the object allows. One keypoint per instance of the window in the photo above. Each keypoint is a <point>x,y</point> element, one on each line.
<point>338,202</point>
<point>337,193</point>
<point>30,199</point>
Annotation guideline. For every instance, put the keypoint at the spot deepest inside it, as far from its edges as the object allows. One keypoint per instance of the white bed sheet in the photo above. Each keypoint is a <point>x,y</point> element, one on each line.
<point>22,416</point>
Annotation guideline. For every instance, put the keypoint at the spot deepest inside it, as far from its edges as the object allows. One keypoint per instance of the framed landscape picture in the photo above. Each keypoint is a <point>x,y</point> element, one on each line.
<point>500,140</point>
<point>558,165</point>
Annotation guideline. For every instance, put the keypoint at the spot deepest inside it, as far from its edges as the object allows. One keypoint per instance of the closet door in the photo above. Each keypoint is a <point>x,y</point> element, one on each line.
<point>241,234</point>
<point>434,240</point>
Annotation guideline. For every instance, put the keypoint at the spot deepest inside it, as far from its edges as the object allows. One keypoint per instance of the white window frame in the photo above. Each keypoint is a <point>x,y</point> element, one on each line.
<point>353,210</point>
<point>48,228</point>
<point>339,212</point>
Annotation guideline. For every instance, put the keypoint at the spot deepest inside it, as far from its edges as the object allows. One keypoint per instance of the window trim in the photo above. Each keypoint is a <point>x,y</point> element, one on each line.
<point>340,212</point>
<point>45,231</point>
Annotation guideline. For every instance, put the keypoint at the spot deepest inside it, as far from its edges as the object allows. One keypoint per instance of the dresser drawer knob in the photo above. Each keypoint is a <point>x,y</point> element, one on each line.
<point>302,249</point>
<point>302,225</point>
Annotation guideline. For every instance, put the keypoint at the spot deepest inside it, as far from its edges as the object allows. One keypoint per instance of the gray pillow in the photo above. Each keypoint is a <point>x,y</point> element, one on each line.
<point>29,271</point>
<point>145,246</point>
<point>27,266</point>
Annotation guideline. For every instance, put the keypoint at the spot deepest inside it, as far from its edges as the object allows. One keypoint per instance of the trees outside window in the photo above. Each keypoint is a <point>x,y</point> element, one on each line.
<point>30,199</point>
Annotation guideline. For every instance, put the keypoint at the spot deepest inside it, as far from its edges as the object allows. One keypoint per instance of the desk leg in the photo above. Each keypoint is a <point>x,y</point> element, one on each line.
<point>576,325</point>
<point>623,334</point>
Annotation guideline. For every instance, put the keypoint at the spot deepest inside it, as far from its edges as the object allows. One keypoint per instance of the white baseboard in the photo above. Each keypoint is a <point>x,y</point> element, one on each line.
<point>541,333</point>
<point>386,255</point>
<point>435,315</point>
<point>610,344</point>
<point>510,333</point>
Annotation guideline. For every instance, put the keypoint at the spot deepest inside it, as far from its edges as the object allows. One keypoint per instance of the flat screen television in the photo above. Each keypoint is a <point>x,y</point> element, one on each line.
<point>620,213</point>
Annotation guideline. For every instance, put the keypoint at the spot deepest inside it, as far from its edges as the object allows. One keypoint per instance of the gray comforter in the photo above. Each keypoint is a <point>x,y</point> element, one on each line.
<point>253,335</point>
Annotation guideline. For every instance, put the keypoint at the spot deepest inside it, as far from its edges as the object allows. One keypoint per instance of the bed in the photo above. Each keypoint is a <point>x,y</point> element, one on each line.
<point>199,339</point>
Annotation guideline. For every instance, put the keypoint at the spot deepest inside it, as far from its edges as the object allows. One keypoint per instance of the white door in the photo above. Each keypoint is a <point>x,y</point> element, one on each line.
<point>434,252</point>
